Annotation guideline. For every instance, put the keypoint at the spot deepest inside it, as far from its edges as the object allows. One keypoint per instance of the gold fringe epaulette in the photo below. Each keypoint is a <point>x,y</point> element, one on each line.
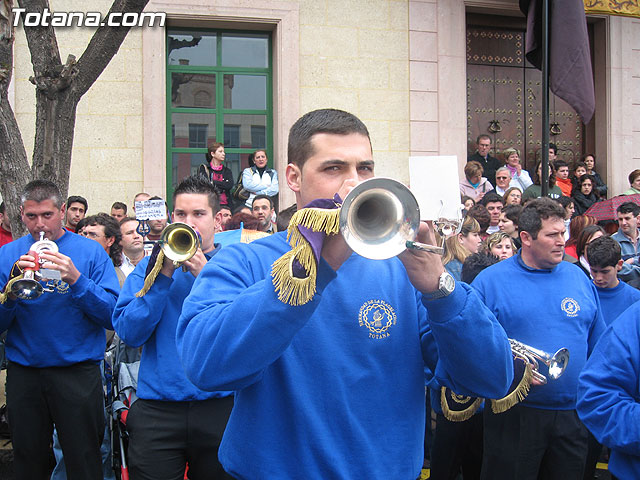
<point>15,275</point>
<point>458,415</point>
<point>153,274</point>
<point>290,289</point>
<point>519,393</point>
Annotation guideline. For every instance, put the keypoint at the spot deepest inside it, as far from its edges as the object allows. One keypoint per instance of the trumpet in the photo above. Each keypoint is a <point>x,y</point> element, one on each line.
<point>380,218</point>
<point>179,242</point>
<point>29,287</point>
<point>557,363</point>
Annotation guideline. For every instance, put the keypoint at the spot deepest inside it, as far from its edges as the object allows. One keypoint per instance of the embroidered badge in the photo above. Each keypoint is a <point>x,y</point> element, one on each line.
<point>378,316</point>
<point>570,307</point>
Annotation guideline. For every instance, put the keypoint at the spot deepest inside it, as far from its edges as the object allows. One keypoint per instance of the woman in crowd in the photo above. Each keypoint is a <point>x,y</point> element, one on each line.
<point>587,235</point>
<point>258,179</point>
<point>600,187</point>
<point>500,244</point>
<point>634,183</point>
<point>459,247</point>
<point>584,196</point>
<point>569,209</point>
<point>217,173</point>
<point>467,202</point>
<point>512,196</point>
<point>535,190</point>
<point>474,184</point>
<point>508,223</point>
<point>578,224</point>
<point>519,177</point>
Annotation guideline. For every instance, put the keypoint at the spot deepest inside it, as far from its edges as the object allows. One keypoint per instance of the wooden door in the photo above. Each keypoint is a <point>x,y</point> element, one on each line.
<point>504,99</point>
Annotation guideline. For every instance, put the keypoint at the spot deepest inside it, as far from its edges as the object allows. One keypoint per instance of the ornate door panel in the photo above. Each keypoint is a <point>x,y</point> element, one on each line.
<point>504,99</point>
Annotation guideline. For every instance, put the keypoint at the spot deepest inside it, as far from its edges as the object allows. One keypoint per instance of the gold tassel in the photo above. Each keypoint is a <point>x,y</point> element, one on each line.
<point>153,274</point>
<point>458,415</point>
<point>5,293</point>
<point>293,290</point>
<point>298,291</point>
<point>520,393</point>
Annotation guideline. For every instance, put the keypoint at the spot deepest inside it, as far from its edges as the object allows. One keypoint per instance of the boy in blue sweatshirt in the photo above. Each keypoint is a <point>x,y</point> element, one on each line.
<point>334,388</point>
<point>608,393</point>
<point>605,261</point>
<point>173,422</point>
<point>557,306</point>
<point>55,342</point>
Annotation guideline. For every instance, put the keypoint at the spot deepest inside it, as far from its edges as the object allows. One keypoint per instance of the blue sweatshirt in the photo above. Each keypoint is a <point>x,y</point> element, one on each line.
<point>333,388</point>
<point>547,309</point>
<point>609,396</point>
<point>150,321</point>
<point>65,326</point>
<point>616,300</point>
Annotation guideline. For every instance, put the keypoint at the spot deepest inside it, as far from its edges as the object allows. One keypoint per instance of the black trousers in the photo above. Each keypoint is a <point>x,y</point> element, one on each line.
<point>533,444</point>
<point>165,436</point>
<point>457,445</point>
<point>73,399</point>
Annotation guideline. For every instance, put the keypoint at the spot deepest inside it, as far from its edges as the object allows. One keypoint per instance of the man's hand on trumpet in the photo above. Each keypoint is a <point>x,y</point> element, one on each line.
<point>424,268</point>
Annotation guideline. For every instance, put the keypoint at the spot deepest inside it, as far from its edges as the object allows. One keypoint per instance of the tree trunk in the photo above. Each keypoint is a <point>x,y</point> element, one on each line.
<point>59,88</point>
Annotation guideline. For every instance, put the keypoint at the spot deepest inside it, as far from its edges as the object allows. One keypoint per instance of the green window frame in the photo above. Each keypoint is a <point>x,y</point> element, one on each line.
<point>209,98</point>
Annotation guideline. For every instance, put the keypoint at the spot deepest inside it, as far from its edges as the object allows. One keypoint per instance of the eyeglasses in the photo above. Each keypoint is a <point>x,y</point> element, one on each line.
<point>502,178</point>
<point>91,235</point>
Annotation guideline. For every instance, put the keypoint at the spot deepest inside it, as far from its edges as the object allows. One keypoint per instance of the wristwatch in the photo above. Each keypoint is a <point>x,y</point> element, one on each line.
<point>446,286</point>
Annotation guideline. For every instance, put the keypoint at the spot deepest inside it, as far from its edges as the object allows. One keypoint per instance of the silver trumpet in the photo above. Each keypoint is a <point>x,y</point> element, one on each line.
<point>29,287</point>
<point>556,363</point>
<point>179,242</point>
<point>380,218</point>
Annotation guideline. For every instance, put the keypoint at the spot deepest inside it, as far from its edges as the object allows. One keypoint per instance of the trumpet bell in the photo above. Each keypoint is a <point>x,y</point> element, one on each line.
<point>558,363</point>
<point>179,242</point>
<point>378,217</point>
<point>27,288</point>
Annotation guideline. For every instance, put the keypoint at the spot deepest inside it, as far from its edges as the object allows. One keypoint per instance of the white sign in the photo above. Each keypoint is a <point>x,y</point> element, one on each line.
<point>151,210</point>
<point>435,183</point>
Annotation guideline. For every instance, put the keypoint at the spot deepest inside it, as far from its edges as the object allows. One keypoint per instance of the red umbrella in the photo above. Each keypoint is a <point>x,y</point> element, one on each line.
<point>606,210</point>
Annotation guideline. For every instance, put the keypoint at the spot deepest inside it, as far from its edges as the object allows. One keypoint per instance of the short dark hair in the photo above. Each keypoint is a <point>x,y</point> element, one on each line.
<point>565,201</point>
<point>197,184</point>
<point>535,211</point>
<point>119,206</point>
<point>491,197</point>
<point>585,235</point>
<point>579,164</point>
<point>482,136</point>
<point>41,190</point>
<point>225,207</point>
<point>604,252</point>
<point>629,207</point>
<point>284,217</point>
<point>111,229</point>
<point>482,216</point>
<point>262,197</point>
<point>512,212</point>
<point>560,163</point>
<point>552,146</point>
<point>78,199</point>
<point>328,120</point>
<point>128,219</point>
<point>475,263</point>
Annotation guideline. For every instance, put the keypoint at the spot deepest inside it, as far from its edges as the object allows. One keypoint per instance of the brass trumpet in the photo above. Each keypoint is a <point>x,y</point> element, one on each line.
<point>380,218</point>
<point>179,242</point>
<point>557,362</point>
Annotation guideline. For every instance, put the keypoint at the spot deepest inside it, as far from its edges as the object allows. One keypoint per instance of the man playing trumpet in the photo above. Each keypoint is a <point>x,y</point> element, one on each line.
<point>55,341</point>
<point>558,306</point>
<point>173,422</point>
<point>329,380</point>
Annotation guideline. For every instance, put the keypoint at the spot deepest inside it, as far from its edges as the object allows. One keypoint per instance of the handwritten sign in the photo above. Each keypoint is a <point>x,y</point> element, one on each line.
<point>151,210</point>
